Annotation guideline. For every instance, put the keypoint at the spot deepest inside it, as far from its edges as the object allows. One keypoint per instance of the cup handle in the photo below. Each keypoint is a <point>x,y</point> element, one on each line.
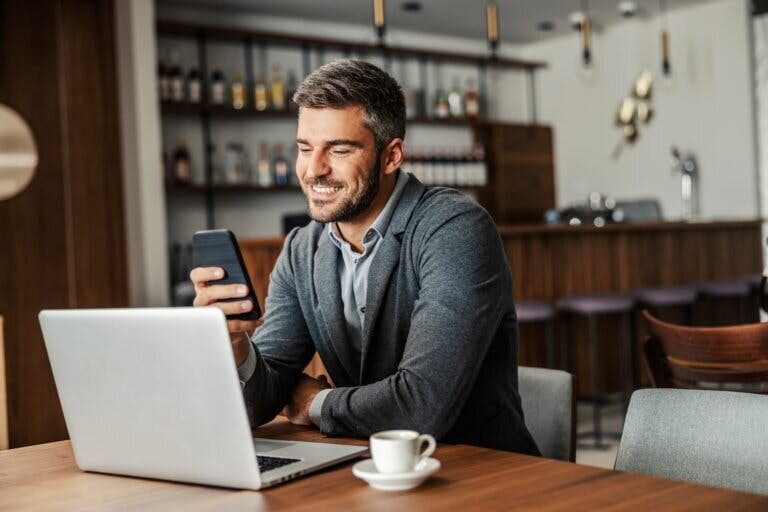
<point>431,445</point>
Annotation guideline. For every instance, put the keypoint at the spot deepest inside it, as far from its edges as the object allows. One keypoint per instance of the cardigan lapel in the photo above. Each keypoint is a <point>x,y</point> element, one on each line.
<point>384,263</point>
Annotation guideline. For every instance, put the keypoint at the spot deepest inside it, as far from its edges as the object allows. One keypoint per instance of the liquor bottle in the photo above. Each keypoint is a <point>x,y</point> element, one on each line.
<point>292,84</point>
<point>164,79</point>
<point>471,101</point>
<point>238,92</point>
<point>278,88</point>
<point>218,87</point>
<point>182,167</point>
<point>177,78</point>
<point>442,109</point>
<point>263,169</point>
<point>193,86</point>
<point>260,96</point>
<point>455,101</point>
<point>293,178</point>
<point>281,165</point>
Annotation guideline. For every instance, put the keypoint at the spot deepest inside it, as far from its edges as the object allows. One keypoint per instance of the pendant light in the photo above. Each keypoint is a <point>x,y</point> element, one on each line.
<point>492,24</point>
<point>378,19</point>
<point>586,35</point>
<point>666,67</point>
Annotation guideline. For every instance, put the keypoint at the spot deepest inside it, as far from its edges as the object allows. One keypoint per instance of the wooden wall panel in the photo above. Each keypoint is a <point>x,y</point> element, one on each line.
<point>62,239</point>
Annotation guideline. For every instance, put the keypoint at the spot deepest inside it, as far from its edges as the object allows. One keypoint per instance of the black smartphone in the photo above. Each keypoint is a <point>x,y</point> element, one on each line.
<point>218,248</point>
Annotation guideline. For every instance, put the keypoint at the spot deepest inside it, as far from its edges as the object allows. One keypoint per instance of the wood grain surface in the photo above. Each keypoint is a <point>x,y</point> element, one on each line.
<point>44,477</point>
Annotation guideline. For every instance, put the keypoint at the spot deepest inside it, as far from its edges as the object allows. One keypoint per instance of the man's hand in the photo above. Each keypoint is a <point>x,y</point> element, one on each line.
<point>303,393</point>
<point>207,294</point>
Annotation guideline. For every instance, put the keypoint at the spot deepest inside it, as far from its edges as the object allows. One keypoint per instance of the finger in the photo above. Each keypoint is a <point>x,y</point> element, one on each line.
<point>233,308</point>
<point>201,275</point>
<point>218,292</point>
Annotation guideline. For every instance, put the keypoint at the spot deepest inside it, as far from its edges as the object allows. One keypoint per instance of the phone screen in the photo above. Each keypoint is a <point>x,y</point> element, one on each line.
<point>218,248</point>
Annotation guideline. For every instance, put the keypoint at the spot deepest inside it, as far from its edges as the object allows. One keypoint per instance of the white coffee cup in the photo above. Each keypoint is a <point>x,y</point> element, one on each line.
<point>399,451</point>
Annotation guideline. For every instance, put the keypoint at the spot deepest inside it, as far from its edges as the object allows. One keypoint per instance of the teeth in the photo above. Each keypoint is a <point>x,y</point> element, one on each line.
<point>325,190</point>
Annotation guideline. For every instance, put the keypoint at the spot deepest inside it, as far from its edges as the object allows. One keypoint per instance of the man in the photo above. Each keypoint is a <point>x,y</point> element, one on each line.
<point>403,290</point>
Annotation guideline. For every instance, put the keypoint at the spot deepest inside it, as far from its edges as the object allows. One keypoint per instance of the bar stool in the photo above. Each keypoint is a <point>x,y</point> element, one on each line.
<point>535,312</point>
<point>718,291</point>
<point>664,298</point>
<point>591,307</point>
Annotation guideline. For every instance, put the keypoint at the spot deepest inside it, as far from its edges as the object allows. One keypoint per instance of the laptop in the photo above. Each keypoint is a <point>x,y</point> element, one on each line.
<point>155,393</point>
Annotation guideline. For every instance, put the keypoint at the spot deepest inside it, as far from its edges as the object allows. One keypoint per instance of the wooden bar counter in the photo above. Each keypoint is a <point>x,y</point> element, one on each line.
<point>553,261</point>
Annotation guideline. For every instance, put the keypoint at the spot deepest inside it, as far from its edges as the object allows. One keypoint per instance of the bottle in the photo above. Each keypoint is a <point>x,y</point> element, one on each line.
<point>263,169</point>
<point>442,109</point>
<point>281,165</point>
<point>163,79</point>
<point>238,92</point>
<point>260,96</point>
<point>278,88</point>
<point>455,101</point>
<point>218,85</point>
<point>182,167</point>
<point>471,101</point>
<point>177,78</point>
<point>193,86</point>
<point>292,85</point>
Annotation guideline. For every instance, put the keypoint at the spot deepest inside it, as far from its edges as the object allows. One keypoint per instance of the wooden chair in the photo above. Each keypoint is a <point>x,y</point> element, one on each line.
<point>733,358</point>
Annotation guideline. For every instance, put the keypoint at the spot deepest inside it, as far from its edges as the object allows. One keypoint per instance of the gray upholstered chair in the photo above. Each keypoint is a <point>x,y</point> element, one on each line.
<point>713,438</point>
<point>549,409</point>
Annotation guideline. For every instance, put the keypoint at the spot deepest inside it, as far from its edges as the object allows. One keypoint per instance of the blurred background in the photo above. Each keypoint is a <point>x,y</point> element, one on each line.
<point>619,145</point>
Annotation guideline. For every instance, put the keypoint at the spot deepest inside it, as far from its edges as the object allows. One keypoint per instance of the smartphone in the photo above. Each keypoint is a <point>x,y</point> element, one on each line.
<point>218,248</point>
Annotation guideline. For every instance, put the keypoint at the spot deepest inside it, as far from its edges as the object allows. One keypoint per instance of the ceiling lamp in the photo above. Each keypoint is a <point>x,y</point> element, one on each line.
<point>492,24</point>
<point>666,67</point>
<point>378,19</point>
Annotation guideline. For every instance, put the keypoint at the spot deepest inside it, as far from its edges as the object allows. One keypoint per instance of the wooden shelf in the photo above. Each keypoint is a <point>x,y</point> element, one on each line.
<point>186,108</point>
<point>195,109</point>
<point>222,187</point>
<point>177,29</point>
<point>196,188</point>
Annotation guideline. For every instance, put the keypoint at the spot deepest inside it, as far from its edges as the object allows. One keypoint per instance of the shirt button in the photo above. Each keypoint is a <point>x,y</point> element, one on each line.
<point>362,310</point>
<point>355,261</point>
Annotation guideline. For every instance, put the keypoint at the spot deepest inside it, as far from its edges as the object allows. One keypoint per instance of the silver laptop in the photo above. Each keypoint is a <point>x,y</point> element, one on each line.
<point>154,393</point>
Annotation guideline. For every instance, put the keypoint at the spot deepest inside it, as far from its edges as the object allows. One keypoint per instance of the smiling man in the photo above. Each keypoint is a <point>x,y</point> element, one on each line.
<point>403,290</point>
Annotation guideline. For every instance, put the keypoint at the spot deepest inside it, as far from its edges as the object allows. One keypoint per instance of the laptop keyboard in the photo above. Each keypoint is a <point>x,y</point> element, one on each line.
<point>268,463</point>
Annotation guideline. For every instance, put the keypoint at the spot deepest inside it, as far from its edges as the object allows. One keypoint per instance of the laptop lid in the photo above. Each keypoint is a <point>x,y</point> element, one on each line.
<point>152,393</point>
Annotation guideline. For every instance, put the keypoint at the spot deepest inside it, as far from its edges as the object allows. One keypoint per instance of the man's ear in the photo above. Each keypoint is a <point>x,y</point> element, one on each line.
<point>392,156</point>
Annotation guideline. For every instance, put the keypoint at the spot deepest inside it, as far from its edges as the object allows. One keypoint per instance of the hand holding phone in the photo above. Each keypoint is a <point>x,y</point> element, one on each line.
<point>218,249</point>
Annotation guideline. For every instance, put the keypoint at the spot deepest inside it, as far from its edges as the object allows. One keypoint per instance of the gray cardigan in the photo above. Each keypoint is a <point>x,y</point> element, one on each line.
<point>439,351</point>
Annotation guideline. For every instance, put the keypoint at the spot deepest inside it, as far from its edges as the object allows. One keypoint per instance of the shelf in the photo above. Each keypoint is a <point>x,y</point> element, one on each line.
<point>194,109</point>
<point>194,188</point>
<point>186,108</point>
<point>177,29</point>
<point>178,187</point>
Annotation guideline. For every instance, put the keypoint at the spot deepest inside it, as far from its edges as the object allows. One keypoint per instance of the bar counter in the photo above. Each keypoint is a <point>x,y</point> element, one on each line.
<point>553,261</point>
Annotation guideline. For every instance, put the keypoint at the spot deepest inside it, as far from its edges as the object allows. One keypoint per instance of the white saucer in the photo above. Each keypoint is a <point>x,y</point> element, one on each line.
<point>366,470</point>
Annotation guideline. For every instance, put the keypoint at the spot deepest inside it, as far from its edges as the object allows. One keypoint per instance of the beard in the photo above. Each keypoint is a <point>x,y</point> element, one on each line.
<point>348,207</point>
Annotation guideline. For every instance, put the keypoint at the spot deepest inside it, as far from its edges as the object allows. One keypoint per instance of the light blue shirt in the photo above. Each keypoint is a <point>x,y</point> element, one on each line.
<point>353,271</point>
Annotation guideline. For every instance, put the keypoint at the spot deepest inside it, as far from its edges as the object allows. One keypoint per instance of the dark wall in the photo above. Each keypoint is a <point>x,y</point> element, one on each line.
<point>62,242</point>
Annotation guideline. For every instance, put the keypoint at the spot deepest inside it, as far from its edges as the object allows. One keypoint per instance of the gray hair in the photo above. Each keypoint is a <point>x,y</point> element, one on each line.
<point>353,82</point>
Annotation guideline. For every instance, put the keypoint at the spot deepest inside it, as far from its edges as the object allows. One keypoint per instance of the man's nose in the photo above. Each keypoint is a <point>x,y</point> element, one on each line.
<point>317,165</point>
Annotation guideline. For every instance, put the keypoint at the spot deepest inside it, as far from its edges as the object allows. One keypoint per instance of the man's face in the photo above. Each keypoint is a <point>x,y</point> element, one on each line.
<point>337,164</point>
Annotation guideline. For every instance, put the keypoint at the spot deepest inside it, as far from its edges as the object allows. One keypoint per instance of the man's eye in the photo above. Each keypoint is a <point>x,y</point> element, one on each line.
<point>305,150</point>
<point>340,151</point>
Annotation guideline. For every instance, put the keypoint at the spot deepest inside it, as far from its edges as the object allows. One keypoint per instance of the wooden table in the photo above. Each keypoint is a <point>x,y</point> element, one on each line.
<point>44,477</point>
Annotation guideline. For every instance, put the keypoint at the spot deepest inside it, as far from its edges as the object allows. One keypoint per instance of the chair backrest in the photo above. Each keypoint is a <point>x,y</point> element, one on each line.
<point>550,410</point>
<point>735,357</point>
<point>713,438</point>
